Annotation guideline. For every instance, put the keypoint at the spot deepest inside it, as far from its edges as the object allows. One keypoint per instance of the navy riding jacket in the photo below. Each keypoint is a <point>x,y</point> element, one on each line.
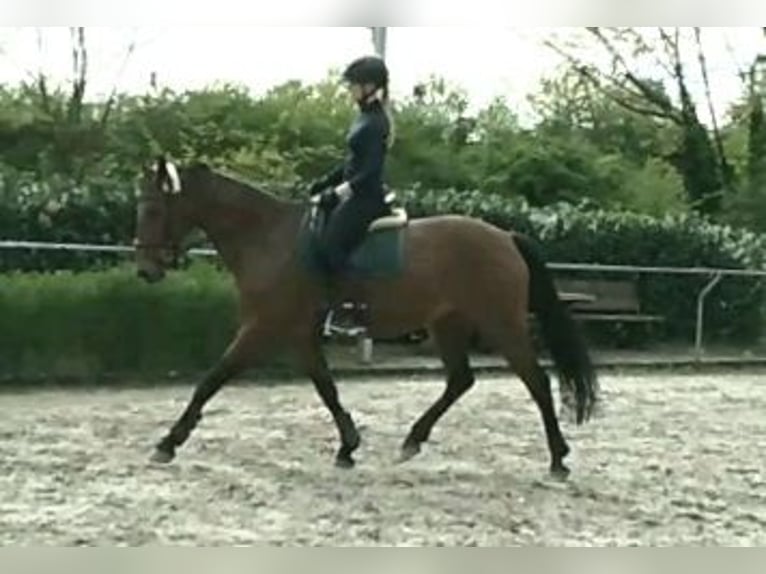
<point>367,142</point>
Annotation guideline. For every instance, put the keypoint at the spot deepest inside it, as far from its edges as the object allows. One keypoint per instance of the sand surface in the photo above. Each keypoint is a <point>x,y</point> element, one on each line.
<point>674,459</point>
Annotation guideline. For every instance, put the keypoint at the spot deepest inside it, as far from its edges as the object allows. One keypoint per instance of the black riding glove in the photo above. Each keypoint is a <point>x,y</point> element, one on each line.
<point>316,188</point>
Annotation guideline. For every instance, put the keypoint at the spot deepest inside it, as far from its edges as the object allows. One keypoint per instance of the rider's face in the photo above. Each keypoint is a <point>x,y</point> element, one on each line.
<point>360,91</point>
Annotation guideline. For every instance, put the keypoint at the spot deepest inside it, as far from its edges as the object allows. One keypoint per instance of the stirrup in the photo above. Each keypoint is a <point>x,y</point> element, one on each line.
<point>328,328</point>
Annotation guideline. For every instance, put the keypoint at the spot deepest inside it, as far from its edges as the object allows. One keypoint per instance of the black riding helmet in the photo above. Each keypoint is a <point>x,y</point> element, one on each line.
<point>367,70</point>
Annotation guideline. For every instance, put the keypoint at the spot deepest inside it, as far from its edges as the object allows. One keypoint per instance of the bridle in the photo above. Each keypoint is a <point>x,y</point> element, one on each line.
<point>166,245</point>
<point>168,249</point>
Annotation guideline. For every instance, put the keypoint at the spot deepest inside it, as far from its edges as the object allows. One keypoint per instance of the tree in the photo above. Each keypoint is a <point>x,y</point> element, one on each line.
<point>71,132</point>
<point>624,155</point>
<point>757,124</point>
<point>701,160</point>
<point>746,137</point>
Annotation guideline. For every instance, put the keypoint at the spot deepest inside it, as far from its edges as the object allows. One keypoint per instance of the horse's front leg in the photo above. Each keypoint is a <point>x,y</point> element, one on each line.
<point>314,364</point>
<point>237,357</point>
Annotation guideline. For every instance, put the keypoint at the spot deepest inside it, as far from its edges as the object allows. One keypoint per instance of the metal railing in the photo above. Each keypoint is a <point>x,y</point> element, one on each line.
<point>715,275</point>
<point>91,247</point>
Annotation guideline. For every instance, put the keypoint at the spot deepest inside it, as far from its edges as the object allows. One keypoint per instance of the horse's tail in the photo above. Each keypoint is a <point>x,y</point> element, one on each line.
<point>560,332</point>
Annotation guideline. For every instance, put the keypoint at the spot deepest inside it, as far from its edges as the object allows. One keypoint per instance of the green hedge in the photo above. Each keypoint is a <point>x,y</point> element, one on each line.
<point>80,324</point>
<point>61,210</point>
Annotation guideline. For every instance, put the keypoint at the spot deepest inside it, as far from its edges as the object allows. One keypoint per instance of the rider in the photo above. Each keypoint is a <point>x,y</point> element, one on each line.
<point>356,186</point>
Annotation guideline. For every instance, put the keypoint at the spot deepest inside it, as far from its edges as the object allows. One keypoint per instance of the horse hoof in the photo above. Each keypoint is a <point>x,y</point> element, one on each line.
<point>344,461</point>
<point>161,456</point>
<point>352,442</point>
<point>409,451</point>
<point>560,472</point>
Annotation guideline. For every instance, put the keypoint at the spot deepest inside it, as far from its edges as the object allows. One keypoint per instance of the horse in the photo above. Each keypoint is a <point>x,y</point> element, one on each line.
<point>460,277</point>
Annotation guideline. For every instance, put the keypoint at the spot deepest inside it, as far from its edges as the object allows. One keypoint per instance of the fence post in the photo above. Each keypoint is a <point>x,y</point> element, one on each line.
<point>701,313</point>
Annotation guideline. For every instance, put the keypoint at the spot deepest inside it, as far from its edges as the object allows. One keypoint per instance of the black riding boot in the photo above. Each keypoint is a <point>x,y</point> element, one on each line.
<point>340,316</point>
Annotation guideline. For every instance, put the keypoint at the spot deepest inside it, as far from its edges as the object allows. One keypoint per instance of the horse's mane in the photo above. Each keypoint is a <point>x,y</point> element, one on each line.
<point>245,193</point>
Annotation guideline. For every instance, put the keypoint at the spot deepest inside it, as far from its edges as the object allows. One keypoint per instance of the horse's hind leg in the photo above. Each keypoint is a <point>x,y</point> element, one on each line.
<point>452,337</point>
<point>516,346</point>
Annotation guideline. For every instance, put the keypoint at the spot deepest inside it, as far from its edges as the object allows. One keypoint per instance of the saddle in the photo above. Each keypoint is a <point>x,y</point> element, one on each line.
<point>380,254</point>
<point>320,215</point>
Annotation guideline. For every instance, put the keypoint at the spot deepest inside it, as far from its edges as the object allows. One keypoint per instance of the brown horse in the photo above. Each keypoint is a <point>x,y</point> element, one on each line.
<point>461,276</point>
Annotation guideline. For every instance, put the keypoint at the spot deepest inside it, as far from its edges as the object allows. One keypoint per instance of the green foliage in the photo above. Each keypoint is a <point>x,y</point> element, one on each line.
<point>80,324</point>
<point>745,141</point>
<point>567,104</point>
<point>61,210</point>
<point>604,117</point>
<point>295,132</point>
<point>654,188</point>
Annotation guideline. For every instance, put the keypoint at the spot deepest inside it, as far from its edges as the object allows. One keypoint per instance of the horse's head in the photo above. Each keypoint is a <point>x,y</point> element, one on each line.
<point>161,222</point>
<point>173,202</point>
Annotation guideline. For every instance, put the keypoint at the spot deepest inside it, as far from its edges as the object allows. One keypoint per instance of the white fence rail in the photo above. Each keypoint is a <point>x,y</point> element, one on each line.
<point>48,246</point>
<point>714,275</point>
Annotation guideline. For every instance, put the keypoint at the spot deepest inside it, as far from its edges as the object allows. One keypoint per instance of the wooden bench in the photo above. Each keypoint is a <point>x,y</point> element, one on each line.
<point>610,300</point>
